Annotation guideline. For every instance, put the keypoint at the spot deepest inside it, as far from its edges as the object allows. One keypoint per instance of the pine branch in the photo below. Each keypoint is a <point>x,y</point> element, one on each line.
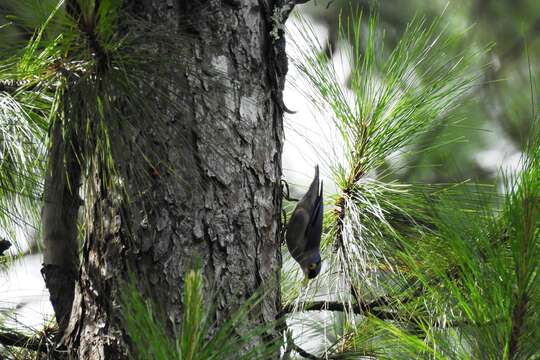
<point>89,27</point>
<point>360,309</point>
<point>11,86</point>
<point>305,354</point>
<point>23,341</point>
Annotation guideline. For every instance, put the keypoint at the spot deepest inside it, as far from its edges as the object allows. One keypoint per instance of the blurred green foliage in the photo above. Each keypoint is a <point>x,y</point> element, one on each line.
<point>496,117</point>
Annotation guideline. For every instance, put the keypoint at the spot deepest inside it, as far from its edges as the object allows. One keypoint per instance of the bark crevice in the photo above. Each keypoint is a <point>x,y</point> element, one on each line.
<point>59,223</point>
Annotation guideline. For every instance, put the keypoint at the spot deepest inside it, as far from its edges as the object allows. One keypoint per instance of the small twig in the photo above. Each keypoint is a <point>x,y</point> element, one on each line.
<point>292,346</point>
<point>361,309</point>
<point>23,341</point>
<point>306,355</point>
<point>303,353</point>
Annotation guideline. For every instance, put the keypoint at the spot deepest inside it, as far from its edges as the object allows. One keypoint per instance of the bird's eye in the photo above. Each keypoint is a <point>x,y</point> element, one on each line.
<point>312,266</point>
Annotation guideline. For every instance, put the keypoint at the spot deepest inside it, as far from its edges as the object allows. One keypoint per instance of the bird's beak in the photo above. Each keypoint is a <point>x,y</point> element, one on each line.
<point>305,282</point>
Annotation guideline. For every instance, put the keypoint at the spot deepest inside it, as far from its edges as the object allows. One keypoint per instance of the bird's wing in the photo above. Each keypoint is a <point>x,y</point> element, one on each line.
<point>314,230</point>
<point>309,198</point>
<point>296,229</point>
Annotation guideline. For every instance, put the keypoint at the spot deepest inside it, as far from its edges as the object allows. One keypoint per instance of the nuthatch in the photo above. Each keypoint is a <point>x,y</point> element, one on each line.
<point>305,227</point>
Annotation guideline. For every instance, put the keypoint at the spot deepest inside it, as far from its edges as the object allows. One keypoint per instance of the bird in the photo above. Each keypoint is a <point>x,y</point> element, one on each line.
<point>304,229</point>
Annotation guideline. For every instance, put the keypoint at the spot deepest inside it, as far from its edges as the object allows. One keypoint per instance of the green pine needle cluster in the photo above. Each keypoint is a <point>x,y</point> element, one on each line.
<point>422,271</point>
<point>193,338</point>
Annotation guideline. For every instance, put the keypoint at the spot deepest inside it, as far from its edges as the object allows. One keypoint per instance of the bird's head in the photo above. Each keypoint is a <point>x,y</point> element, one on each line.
<point>312,266</point>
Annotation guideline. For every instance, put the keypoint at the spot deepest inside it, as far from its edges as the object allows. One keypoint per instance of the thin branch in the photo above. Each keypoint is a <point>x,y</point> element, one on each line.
<point>360,309</point>
<point>306,355</point>
<point>23,341</point>
<point>291,345</point>
<point>11,86</point>
<point>303,353</point>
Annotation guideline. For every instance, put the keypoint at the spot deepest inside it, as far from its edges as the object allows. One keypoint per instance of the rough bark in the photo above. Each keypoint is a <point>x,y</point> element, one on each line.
<point>59,224</point>
<point>211,186</point>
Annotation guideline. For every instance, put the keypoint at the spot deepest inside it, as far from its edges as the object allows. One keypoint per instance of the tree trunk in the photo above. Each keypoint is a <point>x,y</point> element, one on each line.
<point>59,214</point>
<point>211,184</point>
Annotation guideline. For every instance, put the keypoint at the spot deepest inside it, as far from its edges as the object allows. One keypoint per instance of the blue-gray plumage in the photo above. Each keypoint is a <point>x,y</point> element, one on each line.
<point>305,227</point>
